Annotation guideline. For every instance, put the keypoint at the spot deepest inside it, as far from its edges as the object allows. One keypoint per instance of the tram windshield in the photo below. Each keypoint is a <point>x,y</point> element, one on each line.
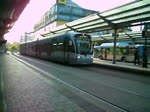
<point>83,46</point>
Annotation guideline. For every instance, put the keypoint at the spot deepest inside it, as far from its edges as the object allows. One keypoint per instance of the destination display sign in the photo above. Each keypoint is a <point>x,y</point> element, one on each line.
<point>83,36</point>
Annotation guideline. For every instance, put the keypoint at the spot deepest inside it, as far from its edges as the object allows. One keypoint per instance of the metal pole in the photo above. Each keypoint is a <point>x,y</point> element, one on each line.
<point>25,42</point>
<point>145,36</point>
<point>114,53</point>
<point>145,50</point>
<point>37,47</point>
<point>141,27</point>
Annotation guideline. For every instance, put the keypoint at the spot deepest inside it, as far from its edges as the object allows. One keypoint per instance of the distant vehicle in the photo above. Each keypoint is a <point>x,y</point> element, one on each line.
<point>124,51</point>
<point>68,48</point>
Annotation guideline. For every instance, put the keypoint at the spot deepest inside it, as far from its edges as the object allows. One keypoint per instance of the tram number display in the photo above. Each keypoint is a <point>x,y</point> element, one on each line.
<point>83,36</point>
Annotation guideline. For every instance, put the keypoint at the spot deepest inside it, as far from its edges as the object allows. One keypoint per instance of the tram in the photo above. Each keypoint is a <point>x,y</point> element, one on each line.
<point>67,47</point>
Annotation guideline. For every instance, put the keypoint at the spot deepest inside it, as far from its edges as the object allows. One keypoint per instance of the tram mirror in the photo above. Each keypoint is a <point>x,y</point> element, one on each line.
<point>70,43</point>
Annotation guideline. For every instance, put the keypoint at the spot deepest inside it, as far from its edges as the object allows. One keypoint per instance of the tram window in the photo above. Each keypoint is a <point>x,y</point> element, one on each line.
<point>83,46</point>
<point>70,46</point>
<point>60,43</point>
<point>33,48</point>
<point>70,43</point>
<point>54,39</point>
<point>60,46</point>
<point>54,44</point>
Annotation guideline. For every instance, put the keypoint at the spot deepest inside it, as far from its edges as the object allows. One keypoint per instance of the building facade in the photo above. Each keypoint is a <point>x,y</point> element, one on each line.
<point>61,12</point>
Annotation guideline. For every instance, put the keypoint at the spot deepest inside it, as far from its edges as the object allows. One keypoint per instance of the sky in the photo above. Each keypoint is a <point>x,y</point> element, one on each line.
<point>36,8</point>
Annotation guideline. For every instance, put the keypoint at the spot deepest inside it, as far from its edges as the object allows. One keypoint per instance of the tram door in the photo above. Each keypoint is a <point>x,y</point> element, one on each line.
<point>69,51</point>
<point>66,55</point>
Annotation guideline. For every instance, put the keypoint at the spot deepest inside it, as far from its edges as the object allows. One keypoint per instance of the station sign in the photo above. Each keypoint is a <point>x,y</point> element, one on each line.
<point>81,36</point>
<point>62,1</point>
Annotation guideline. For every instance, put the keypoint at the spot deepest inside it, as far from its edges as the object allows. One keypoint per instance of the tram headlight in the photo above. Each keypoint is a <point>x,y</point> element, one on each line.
<point>78,57</point>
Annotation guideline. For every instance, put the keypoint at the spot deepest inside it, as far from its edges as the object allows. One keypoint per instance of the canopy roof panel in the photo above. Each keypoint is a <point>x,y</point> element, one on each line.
<point>131,37</point>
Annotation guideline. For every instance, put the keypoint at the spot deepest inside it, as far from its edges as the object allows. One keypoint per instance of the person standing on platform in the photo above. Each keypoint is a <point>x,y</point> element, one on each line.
<point>136,57</point>
<point>144,64</point>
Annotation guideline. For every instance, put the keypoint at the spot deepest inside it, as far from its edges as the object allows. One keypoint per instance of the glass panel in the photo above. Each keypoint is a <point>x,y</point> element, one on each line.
<point>74,18</point>
<point>77,11</point>
<point>84,46</point>
<point>129,13</point>
<point>83,20</point>
<point>90,27</point>
<point>65,30</point>
<point>63,17</point>
<point>133,18</point>
<point>124,8</point>
<point>89,23</point>
<point>59,28</point>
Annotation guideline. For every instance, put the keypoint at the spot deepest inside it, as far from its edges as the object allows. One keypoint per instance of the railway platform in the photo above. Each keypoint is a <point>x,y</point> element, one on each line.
<point>25,90</point>
<point>123,66</point>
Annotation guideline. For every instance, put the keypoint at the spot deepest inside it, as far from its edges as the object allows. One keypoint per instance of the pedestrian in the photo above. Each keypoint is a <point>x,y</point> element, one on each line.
<point>105,54</point>
<point>144,64</point>
<point>136,56</point>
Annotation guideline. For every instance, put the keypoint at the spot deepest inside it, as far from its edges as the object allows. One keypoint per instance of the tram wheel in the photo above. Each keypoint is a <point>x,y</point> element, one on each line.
<point>123,59</point>
<point>101,57</point>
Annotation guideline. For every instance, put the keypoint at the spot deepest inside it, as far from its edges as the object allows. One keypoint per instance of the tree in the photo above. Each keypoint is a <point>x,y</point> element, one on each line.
<point>14,47</point>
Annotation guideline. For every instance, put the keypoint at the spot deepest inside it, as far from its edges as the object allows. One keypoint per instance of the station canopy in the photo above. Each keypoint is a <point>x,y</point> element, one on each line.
<point>129,37</point>
<point>132,14</point>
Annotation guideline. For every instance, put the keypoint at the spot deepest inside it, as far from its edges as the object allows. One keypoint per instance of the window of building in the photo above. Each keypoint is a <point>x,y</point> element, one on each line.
<point>77,11</point>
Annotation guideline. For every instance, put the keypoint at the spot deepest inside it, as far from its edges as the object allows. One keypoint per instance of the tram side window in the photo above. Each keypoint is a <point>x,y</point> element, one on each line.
<point>43,47</point>
<point>34,48</point>
<point>23,47</point>
<point>50,47</point>
<point>60,46</point>
<point>55,46</point>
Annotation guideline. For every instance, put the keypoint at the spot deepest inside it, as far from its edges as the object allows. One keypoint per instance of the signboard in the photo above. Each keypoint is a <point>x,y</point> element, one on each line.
<point>83,36</point>
<point>62,1</point>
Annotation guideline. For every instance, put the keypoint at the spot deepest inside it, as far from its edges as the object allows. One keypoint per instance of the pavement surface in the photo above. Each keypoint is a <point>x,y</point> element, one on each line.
<point>31,92</point>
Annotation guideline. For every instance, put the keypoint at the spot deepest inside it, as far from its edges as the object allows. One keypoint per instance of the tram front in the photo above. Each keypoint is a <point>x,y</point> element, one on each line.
<point>84,52</point>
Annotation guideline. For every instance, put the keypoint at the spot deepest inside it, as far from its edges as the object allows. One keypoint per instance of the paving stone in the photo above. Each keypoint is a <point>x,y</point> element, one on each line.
<point>27,91</point>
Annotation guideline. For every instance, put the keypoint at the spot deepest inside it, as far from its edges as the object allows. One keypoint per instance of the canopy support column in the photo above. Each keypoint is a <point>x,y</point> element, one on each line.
<point>114,52</point>
<point>144,64</point>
